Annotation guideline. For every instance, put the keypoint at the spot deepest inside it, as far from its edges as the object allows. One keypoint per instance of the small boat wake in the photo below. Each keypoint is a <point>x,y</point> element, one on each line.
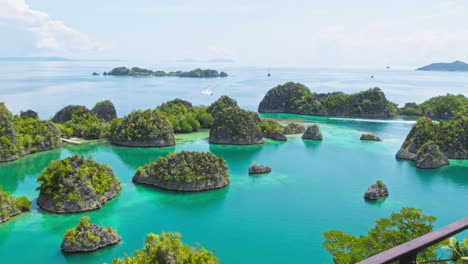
<point>375,120</point>
<point>207,92</point>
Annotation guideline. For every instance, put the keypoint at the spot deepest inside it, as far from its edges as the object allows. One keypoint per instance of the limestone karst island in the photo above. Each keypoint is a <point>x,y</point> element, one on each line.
<point>206,132</point>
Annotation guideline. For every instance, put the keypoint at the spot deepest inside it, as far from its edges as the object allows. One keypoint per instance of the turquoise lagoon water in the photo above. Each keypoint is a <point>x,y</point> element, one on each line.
<point>276,218</point>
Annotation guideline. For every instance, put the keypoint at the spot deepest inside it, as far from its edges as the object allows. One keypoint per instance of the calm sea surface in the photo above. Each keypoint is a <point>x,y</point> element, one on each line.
<point>276,218</point>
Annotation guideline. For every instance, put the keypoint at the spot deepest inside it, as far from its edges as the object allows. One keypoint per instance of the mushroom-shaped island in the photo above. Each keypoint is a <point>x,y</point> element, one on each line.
<point>293,128</point>
<point>185,171</point>
<point>234,126</point>
<point>105,110</point>
<point>370,137</point>
<point>86,237</point>
<point>11,206</point>
<point>376,191</point>
<point>76,184</point>
<point>313,133</point>
<point>144,129</point>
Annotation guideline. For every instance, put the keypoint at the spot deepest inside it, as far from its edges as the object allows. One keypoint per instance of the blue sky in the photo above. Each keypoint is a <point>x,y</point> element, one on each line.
<point>365,33</point>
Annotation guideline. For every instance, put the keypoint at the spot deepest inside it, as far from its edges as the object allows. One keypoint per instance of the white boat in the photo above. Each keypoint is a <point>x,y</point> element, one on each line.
<point>207,91</point>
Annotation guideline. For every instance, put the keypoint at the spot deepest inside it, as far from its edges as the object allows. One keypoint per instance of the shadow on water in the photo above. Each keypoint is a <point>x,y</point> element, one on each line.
<point>14,172</point>
<point>365,124</point>
<point>379,203</point>
<point>237,157</point>
<point>184,200</point>
<point>312,144</point>
<point>454,173</point>
<point>136,157</point>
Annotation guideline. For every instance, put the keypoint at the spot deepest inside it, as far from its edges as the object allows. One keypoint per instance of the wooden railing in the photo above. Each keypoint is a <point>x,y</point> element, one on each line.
<point>406,253</point>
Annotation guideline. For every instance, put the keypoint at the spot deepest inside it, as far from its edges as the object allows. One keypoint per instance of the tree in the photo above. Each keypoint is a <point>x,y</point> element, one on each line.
<point>387,233</point>
<point>168,249</point>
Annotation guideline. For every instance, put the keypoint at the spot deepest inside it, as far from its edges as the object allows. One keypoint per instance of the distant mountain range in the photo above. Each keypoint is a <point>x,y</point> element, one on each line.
<point>458,66</point>
<point>34,59</point>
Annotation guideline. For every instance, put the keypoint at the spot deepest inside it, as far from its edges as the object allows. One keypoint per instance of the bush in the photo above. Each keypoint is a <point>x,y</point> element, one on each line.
<point>185,118</point>
<point>380,183</point>
<point>168,248</point>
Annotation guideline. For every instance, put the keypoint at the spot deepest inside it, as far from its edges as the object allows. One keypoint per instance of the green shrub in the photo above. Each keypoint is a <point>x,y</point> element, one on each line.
<point>168,248</point>
<point>183,117</point>
<point>380,183</point>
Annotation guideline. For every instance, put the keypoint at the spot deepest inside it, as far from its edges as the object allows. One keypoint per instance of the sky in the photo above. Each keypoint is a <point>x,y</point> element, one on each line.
<point>294,33</point>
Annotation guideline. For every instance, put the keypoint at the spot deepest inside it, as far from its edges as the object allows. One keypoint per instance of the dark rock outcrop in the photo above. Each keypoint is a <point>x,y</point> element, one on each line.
<point>87,237</point>
<point>95,74</point>
<point>185,171</point>
<point>75,185</point>
<point>276,135</point>
<point>29,114</point>
<point>105,110</point>
<point>370,137</point>
<point>312,132</point>
<point>293,128</point>
<point>259,169</point>
<point>144,129</point>
<point>234,126</point>
<point>430,157</point>
<point>65,114</point>
<point>272,129</point>
<point>376,191</point>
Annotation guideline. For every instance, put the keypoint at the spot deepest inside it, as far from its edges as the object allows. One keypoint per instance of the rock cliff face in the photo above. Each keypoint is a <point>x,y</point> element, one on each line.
<point>88,237</point>
<point>293,128</point>
<point>296,98</point>
<point>449,136</point>
<point>144,129</point>
<point>272,130</point>
<point>430,157</point>
<point>313,133</point>
<point>376,191</point>
<point>234,126</point>
<point>76,184</point>
<point>370,137</point>
<point>276,135</point>
<point>185,171</point>
<point>105,111</point>
<point>11,206</point>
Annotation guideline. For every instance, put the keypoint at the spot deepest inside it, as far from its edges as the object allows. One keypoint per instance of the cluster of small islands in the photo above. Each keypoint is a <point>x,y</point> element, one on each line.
<point>78,184</point>
<point>138,72</point>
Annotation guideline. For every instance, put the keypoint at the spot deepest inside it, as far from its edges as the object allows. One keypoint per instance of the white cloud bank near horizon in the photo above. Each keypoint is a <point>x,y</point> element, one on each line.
<point>50,34</point>
<point>335,33</point>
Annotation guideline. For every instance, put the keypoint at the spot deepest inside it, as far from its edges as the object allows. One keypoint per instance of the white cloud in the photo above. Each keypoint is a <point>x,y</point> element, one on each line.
<point>51,34</point>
